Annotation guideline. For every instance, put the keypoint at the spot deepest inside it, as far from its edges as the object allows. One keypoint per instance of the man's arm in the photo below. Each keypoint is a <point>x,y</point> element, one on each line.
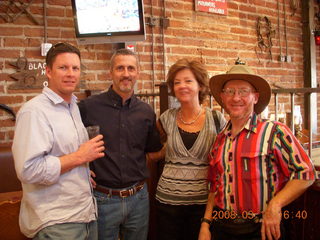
<point>272,216</point>
<point>295,163</point>
<point>31,148</point>
<point>205,233</point>
<point>156,156</point>
<point>87,152</point>
<point>153,140</point>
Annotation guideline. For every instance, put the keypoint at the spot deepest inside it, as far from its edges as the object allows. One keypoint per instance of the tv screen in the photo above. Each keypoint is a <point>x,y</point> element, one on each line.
<point>108,21</point>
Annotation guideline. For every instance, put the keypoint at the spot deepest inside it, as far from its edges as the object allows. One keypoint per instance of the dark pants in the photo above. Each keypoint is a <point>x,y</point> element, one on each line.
<point>179,222</point>
<point>249,231</point>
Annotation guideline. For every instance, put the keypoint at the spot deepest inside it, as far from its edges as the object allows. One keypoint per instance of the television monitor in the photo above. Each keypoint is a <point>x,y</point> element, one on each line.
<point>108,21</point>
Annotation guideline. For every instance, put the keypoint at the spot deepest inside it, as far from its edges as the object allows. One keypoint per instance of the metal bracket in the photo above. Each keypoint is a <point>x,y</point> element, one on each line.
<point>151,21</point>
<point>13,9</point>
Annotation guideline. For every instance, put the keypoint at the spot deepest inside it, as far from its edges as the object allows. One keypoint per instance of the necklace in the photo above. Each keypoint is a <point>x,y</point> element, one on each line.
<point>193,121</point>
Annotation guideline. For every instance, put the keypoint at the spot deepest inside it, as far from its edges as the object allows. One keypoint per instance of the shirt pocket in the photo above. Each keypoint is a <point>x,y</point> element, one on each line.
<point>252,165</point>
<point>138,134</point>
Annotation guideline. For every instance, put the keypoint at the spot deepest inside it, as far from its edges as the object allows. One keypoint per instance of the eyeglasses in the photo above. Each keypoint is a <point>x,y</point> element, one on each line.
<point>242,92</point>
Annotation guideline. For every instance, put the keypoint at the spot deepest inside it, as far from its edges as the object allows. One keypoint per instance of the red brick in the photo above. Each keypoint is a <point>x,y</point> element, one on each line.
<point>7,122</point>
<point>68,34</point>
<point>11,99</point>
<point>59,2</point>
<point>102,77</point>
<point>55,12</point>
<point>11,31</point>
<point>8,53</point>
<point>53,33</point>
<point>15,42</point>
<point>27,20</point>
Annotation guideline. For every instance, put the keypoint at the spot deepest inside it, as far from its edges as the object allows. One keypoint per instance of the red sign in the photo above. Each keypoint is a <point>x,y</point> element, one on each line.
<point>212,6</point>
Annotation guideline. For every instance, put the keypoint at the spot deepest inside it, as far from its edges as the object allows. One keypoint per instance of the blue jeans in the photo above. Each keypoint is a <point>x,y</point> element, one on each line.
<point>78,231</point>
<point>128,216</point>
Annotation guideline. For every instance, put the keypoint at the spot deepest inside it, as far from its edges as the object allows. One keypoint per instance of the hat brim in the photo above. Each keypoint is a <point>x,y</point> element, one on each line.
<point>261,85</point>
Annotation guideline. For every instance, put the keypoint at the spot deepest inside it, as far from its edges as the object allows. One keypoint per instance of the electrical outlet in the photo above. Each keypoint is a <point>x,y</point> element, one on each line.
<point>45,48</point>
<point>288,58</point>
<point>282,58</point>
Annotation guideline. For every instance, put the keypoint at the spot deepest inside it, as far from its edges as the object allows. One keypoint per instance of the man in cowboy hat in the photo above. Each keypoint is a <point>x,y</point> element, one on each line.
<point>256,166</point>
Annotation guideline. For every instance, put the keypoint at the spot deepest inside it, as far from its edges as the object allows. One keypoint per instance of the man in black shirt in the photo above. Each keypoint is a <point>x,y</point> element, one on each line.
<point>129,130</point>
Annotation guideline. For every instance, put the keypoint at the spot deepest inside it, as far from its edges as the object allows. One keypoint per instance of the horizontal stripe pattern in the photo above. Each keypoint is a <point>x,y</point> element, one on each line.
<point>184,180</point>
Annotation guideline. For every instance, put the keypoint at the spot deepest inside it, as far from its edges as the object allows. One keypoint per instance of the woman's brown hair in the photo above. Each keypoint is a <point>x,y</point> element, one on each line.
<point>199,71</point>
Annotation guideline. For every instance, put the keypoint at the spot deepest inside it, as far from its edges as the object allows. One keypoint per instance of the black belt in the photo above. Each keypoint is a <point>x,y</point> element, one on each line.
<point>121,193</point>
<point>227,216</point>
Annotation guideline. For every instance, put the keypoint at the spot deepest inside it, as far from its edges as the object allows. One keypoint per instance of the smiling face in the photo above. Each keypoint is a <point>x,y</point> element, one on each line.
<point>64,74</point>
<point>124,74</point>
<point>185,86</point>
<point>239,107</point>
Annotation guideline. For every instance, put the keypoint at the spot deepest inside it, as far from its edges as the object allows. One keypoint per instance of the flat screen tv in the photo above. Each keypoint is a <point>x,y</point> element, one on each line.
<point>108,21</point>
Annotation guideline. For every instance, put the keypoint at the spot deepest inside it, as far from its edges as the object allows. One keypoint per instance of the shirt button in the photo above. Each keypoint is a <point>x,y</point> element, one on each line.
<point>122,155</point>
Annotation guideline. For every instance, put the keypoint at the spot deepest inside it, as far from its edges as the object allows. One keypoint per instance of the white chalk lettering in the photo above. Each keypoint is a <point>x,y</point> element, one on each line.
<point>38,66</point>
<point>216,10</point>
<point>206,4</point>
<point>35,66</point>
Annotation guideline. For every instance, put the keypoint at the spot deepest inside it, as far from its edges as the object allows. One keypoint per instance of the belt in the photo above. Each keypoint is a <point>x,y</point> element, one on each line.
<point>221,215</point>
<point>121,193</point>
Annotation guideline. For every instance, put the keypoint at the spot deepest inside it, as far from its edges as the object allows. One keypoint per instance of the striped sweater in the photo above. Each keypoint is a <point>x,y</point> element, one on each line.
<point>185,173</point>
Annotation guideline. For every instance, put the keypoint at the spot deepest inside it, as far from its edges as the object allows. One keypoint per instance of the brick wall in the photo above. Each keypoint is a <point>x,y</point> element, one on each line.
<point>216,40</point>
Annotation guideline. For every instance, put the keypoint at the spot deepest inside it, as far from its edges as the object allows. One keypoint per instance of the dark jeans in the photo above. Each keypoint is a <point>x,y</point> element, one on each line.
<point>179,222</point>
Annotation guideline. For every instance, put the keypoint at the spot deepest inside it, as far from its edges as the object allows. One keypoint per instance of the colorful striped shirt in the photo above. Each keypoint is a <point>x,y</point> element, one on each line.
<point>249,169</point>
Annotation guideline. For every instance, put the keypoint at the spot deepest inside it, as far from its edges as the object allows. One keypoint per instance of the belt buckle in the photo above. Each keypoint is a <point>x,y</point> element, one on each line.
<point>122,193</point>
<point>139,187</point>
<point>126,193</point>
<point>131,191</point>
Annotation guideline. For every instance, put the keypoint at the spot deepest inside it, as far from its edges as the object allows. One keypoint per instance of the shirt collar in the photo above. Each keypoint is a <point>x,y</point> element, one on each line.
<point>55,98</point>
<point>251,124</point>
<point>117,99</point>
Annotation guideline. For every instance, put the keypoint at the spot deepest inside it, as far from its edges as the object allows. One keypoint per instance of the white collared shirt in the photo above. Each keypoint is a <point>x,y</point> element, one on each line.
<point>47,127</point>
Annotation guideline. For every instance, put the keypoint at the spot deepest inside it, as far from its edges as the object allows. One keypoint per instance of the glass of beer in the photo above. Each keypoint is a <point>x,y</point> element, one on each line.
<point>93,131</point>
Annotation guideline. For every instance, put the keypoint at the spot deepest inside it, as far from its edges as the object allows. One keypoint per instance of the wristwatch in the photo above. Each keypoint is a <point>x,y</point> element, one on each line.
<point>206,220</point>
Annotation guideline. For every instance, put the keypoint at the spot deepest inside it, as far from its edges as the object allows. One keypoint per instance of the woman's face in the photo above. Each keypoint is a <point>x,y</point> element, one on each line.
<point>185,86</point>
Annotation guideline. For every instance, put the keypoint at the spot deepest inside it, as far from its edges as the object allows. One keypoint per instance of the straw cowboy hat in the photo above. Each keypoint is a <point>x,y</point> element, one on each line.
<point>242,72</point>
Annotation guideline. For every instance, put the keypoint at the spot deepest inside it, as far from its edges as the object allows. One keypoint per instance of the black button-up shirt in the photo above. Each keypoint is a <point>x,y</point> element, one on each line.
<point>129,131</point>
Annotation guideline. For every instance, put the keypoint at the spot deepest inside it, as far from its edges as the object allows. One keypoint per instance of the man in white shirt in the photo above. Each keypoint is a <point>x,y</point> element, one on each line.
<point>51,154</point>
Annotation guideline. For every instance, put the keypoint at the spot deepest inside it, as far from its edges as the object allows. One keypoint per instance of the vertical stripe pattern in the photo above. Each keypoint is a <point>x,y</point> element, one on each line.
<point>249,169</point>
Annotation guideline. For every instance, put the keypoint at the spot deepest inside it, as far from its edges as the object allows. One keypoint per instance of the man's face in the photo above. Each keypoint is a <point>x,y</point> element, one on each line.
<point>124,74</point>
<point>239,105</point>
<point>64,75</point>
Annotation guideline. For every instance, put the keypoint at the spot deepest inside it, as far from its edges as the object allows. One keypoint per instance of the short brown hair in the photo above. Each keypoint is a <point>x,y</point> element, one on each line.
<point>199,71</point>
<point>124,52</point>
<point>59,48</point>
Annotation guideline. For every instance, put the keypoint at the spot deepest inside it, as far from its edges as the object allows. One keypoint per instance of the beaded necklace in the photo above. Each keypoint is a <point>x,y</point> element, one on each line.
<point>193,121</point>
